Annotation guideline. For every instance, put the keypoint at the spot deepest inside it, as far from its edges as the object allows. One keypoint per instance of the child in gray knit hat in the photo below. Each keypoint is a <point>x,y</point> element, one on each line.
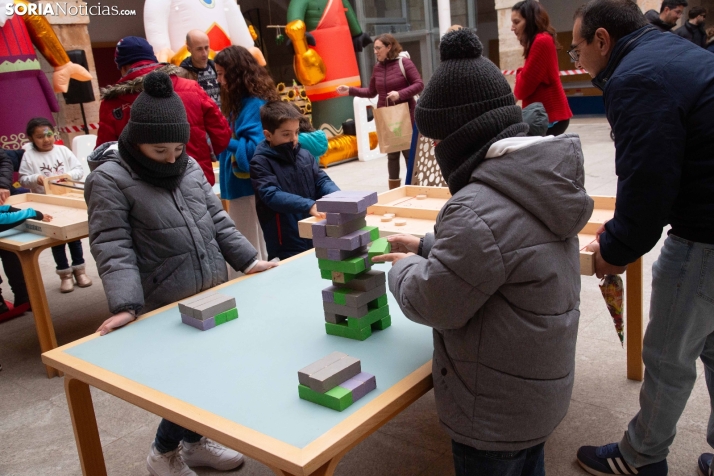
<point>498,280</point>
<point>159,235</point>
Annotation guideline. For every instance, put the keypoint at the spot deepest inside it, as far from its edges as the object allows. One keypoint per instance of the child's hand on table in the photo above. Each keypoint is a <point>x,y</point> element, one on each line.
<point>261,266</point>
<point>115,322</point>
<point>46,218</point>
<point>391,257</point>
<point>315,213</point>
<point>404,243</point>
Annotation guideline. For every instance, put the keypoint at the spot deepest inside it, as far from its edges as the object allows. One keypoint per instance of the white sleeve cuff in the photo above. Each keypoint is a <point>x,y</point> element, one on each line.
<point>250,266</point>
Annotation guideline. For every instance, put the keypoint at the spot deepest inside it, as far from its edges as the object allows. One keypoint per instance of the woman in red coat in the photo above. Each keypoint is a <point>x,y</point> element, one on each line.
<point>539,78</point>
<point>392,85</point>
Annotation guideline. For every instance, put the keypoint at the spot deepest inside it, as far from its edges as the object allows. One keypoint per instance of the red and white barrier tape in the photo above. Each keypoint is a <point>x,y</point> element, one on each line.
<point>569,72</point>
<point>70,129</point>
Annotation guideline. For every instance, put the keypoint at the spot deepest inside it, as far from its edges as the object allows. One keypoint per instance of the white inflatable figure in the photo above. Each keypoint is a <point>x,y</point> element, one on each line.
<point>166,23</point>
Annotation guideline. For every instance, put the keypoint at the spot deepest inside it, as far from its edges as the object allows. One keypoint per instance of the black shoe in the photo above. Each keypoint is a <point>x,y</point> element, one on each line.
<point>606,460</point>
<point>705,464</point>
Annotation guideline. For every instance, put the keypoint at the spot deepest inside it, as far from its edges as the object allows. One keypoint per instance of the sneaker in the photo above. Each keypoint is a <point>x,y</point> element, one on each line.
<point>705,464</point>
<point>167,464</point>
<point>209,453</point>
<point>606,460</point>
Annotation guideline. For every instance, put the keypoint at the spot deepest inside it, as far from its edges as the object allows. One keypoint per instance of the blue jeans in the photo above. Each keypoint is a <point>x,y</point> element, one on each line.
<point>469,461</point>
<point>681,330</point>
<point>75,251</point>
<point>169,435</point>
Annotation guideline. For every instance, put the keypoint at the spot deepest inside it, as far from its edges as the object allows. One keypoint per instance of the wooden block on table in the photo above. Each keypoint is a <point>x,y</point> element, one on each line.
<point>360,385</point>
<point>336,231</point>
<point>318,229</point>
<point>333,308</point>
<point>226,316</point>
<point>385,218</point>
<point>587,263</point>
<point>188,305</point>
<point>334,318</point>
<point>341,278</point>
<point>346,202</point>
<point>352,297</point>
<point>305,228</point>
<point>367,280</point>
<point>421,197</point>
<point>198,324</point>
<point>211,307</point>
<point>305,372</point>
<point>383,323</point>
<point>379,247</point>
<point>350,266</point>
<point>373,234</point>
<point>373,316</point>
<point>340,218</point>
<point>400,222</point>
<point>350,241</point>
<point>337,398</point>
<point>339,255</point>
<point>325,274</point>
<point>341,330</point>
<point>329,375</point>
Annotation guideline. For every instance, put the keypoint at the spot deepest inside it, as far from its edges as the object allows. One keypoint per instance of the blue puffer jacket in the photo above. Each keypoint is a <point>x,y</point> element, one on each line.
<point>287,182</point>
<point>659,99</point>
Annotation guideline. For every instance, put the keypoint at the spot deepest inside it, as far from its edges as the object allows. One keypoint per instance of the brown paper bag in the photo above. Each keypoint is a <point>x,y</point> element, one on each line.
<point>394,128</point>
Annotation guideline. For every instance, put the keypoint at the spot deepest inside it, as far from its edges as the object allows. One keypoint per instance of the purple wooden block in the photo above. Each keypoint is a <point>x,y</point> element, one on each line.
<point>346,202</point>
<point>339,255</point>
<point>341,218</point>
<point>360,385</point>
<point>328,294</point>
<point>319,230</point>
<point>198,324</point>
<point>349,242</point>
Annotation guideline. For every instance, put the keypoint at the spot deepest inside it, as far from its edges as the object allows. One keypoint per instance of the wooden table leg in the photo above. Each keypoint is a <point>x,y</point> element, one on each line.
<point>84,422</point>
<point>327,469</point>
<point>634,331</point>
<point>29,260</point>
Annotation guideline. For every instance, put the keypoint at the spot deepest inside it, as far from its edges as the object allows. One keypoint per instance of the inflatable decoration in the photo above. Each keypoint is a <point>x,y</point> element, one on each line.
<point>166,23</point>
<point>337,34</point>
<point>24,90</point>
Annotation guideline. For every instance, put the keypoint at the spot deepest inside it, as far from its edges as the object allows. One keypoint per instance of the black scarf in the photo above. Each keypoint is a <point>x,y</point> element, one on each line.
<point>166,176</point>
<point>463,150</point>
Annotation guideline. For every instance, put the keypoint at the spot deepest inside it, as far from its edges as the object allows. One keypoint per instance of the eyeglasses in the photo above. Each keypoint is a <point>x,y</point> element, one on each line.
<point>377,48</point>
<point>574,54</point>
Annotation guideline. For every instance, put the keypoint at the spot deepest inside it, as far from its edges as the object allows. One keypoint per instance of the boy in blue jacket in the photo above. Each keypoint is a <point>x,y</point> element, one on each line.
<point>286,180</point>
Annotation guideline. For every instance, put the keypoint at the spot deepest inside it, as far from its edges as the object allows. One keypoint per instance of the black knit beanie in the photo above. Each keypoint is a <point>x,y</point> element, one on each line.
<point>467,105</point>
<point>158,114</point>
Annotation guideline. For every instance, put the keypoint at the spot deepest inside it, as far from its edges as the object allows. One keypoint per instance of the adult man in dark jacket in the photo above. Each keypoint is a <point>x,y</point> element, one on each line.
<point>693,30</point>
<point>200,65</point>
<point>669,14</point>
<point>664,159</point>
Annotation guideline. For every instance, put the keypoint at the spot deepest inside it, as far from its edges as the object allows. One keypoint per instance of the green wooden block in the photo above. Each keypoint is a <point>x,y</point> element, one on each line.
<point>339,296</point>
<point>382,324</point>
<point>221,318</point>
<point>379,247</point>
<point>341,330</point>
<point>325,274</point>
<point>381,301</point>
<point>371,317</point>
<point>373,232</point>
<point>349,266</point>
<point>337,398</point>
<point>231,314</point>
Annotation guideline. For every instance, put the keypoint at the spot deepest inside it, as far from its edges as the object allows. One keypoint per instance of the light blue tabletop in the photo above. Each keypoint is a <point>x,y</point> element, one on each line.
<point>20,236</point>
<point>246,370</point>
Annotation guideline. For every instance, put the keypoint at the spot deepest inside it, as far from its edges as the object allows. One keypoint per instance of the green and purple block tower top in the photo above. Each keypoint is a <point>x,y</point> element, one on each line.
<point>356,303</point>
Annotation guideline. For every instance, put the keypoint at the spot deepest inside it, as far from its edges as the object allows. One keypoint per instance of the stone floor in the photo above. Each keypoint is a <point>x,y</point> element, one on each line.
<point>36,432</point>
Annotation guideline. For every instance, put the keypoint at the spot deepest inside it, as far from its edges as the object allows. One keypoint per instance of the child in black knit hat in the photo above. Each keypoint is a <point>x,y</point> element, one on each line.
<point>499,279</point>
<point>159,234</point>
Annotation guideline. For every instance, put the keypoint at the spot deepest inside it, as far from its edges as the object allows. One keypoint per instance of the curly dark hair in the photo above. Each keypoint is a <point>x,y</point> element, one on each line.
<point>537,21</point>
<point>244,78</point>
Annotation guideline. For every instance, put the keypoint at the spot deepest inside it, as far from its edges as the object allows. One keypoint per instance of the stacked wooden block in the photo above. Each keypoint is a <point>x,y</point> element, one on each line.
<point>208,310</point>
<point>335,381</point>
<point>356,303</point>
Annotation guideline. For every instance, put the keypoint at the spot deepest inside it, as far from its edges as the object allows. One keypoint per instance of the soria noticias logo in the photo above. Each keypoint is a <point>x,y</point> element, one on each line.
<point>65,9</point>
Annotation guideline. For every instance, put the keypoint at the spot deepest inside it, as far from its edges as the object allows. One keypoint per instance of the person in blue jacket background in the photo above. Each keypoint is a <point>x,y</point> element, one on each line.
<point>313,140</point>
<point>287,181</point>
<point>245,87</point>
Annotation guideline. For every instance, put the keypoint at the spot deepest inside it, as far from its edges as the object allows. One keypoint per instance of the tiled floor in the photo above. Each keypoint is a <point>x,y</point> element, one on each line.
<point>36,433</point>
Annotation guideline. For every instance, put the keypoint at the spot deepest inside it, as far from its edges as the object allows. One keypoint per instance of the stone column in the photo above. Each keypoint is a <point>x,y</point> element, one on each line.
<point>509,49</point>
<point>73,33</point>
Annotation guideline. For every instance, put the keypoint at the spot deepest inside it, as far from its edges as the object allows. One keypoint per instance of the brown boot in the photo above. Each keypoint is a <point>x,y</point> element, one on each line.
<point>395,183</point>
<point>67,284</point>
<point>82,279</point>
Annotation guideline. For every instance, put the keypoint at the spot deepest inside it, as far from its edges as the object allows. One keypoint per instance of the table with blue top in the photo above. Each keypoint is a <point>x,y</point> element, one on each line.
<point>237,383</point>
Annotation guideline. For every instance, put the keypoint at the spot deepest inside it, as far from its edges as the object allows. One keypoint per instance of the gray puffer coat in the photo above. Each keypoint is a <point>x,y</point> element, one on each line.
<point>153,246</point>
<point>499,281</point>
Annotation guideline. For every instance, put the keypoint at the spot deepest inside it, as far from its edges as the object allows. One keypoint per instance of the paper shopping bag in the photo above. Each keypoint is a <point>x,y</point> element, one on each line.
<point>394,128</point>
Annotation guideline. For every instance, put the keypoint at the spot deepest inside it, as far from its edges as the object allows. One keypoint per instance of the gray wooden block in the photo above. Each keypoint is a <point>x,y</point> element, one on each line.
<point>347,202</point>
<point>187,306</point>
<point>198,324</point>
<point>336,231</point>
<point>348,311</point>
<point>340,218</point>
<point>351,241</point>
<point>318,229</point>
<point>339,255</point>
<point>334,318</point>
<point>367,280</point>
<point>334,374</point>
<point>355,298</point>
<point>209,308</point>
<point>305,372</point>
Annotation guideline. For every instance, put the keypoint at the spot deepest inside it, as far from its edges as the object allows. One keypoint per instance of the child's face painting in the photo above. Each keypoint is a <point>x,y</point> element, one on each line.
<point>44,138</point>
<point>165,153</point>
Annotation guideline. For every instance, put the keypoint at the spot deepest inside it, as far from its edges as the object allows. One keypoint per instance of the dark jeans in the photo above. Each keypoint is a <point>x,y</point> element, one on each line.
<point>169,435</point>
<point>13,271</point>
<point>75,251</point>
<point>559,128</point>
<point>393,164</point>
<point>469,461</point>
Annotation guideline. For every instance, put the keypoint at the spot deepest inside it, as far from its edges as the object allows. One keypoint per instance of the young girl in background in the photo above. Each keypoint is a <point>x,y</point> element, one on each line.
<point>43,158</point>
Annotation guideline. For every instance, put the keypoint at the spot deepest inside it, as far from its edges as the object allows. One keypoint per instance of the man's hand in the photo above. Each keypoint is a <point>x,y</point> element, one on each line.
<point>115,322</point>
<point>393,96</point>
<point>315,213</point>
<point>391,257</point>
<point>404,243</point>
<point>261,266</point>
<point>4,195</point>
<point>602,267</point>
